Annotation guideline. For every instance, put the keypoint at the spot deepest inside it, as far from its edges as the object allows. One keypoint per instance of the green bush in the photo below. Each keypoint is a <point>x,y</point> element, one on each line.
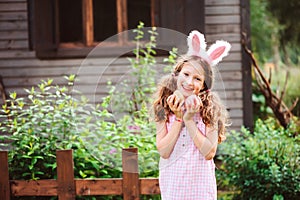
<point>49,119</point>
<point>262,165</point>
<point>46,120</point>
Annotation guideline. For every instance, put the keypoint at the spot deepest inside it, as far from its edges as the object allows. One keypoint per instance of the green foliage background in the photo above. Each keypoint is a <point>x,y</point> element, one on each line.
<point>264,164</point>
<point>275,31</point>
<point>274,44</point>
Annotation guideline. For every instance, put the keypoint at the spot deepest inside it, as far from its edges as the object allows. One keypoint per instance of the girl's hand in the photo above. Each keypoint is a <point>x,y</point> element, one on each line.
<point>192,104</point>
<point>175,104</point>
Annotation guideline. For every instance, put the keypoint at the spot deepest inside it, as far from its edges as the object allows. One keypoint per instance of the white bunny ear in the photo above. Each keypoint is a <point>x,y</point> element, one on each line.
<point>196,43</point>
<point>218,51</point>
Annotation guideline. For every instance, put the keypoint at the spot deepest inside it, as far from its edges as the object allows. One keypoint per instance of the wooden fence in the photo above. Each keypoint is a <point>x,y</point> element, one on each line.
<point>66,187</point>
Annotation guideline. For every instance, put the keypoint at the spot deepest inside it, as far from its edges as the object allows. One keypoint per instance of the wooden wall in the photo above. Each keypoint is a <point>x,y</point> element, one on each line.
<point>20,68</point>
<point>223,21</point>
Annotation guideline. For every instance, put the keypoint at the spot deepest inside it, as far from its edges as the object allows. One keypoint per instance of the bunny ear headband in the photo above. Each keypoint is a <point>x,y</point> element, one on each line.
<point>197,47</point>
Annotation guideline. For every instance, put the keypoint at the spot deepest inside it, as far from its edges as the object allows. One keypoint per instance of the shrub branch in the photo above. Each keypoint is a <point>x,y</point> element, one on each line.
<point>282,113</point>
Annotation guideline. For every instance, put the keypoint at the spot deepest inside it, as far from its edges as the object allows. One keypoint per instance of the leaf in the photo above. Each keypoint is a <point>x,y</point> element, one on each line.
<point>13,95</point>
<point>82,174</point>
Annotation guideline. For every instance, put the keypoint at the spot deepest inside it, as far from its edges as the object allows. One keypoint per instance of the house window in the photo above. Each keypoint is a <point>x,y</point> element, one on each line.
<point>65,28</point>
<point>88,22</point>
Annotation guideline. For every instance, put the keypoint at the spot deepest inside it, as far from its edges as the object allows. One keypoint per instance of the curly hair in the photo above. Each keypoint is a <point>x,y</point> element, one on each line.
<point>213,112</point>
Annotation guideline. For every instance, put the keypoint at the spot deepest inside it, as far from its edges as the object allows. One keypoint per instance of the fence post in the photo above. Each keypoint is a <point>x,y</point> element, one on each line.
<point>131,187</point>
<point>4,176</point>
<point>65,175</point>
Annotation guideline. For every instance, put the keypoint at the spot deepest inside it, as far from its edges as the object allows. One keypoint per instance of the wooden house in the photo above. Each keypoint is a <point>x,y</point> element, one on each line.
<point>41,39</point>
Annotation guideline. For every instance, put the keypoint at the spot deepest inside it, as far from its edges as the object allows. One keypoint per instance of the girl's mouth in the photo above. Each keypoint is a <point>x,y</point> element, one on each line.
<point>187,91</point>
<point>186,88</point>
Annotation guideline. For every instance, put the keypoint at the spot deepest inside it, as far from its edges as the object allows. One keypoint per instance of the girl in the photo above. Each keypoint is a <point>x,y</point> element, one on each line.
<point>190,123</point>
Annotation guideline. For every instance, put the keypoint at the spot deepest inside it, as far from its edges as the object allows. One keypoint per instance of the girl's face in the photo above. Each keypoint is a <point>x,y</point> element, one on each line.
<point>190,80</point>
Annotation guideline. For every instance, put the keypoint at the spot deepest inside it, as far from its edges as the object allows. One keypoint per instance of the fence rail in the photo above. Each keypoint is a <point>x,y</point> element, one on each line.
<point>66,187</point>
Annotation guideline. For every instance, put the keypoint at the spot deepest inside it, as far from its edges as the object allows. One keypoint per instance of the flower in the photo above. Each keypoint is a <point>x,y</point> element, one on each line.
<point>134,129</point>
<point>113,151</point>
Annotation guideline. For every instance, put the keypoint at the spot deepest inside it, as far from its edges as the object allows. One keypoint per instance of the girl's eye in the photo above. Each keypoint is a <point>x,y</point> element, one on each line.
<point>198,79</point>
<point>186,74</point>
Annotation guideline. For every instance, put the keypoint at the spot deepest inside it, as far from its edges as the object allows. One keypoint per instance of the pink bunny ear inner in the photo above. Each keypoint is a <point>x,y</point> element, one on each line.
<point>196,43</point>
<point>217,53</point>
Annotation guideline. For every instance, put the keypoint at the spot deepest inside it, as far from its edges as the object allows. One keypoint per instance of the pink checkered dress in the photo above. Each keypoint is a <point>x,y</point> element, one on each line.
<point>186,175</point>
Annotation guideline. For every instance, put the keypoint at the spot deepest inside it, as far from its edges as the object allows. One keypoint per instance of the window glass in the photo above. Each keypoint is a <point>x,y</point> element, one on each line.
<point>105,19</point>
<point>138,10</point>
<point>70,21</point>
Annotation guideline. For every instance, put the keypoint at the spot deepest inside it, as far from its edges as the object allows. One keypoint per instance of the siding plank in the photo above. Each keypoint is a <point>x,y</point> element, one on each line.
<point>228,85</point>
<point>83,80</point>
<point>13,16</point>
<point>236,113</point>
<point>13,25</point>
<point>222,28</point>
<point>230,37</point>
<point>234,104</point>
<point>236,123</point>
<point>222,10</point>
<point>13,6</point>
<point>17,54</point>
<point>57,71</point>
<point>229,66</point>
<point>221,2</point>
<point>14,44</point>
<point>230,19</point>
<point>9,35</point>
<point>231,76</point>
<point>233,94</point>
<point>64,62</point>
<point>8,1</point>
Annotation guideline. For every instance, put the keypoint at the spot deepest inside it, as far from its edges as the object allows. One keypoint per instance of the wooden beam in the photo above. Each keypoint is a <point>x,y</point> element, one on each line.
<point>149,186</point>
<point>87,22</point>
<point>34,188</point>
<point>122,15</point>
<point>86,187</point>
<point>131,185</point>
<point>153,13</point>
<point>65,175</point>
<point>122,21</point>
<point>4,176</point>
<point>246,66</point>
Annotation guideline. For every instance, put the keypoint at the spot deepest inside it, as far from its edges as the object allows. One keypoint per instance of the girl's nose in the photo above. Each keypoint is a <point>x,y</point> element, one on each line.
<point>189,81</point>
